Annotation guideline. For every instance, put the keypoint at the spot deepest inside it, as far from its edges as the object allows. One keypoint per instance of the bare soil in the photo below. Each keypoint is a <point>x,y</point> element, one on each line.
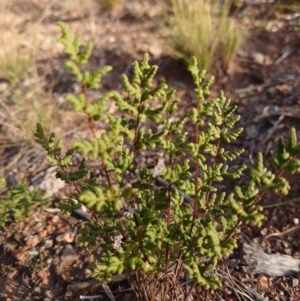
<point>40,257</point>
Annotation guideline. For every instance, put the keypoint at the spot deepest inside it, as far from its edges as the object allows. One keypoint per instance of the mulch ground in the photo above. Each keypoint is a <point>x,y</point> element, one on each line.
<point>40,257</point>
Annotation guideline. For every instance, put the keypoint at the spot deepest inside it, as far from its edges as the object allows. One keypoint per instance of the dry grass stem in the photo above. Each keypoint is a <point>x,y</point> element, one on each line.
<point>203,29</point>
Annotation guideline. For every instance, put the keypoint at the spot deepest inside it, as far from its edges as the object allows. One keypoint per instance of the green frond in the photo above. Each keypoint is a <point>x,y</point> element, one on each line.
<point>292,142</point>
<point>74,69</point>
<point>131,89</point>
<point>77,101</point>
<point>84,56</point>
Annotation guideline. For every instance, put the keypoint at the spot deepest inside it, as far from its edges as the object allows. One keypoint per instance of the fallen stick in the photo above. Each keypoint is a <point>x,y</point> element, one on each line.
<point>259,262</point>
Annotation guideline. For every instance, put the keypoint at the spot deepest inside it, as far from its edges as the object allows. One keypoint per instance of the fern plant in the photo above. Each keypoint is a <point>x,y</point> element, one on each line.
<point>174,215</point>
<point>18,201</point>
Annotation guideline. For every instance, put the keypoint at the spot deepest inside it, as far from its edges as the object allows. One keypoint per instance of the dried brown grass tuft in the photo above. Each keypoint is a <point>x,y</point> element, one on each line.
<point>16,43</point>
<point>202,28</point>
<point>24,101</point>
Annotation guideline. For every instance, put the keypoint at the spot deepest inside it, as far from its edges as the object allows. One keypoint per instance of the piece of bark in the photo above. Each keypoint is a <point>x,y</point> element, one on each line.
<point>259,262</point>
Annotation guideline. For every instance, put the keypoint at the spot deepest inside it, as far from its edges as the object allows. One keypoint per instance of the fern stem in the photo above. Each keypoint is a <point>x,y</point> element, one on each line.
<point>169,199</point>
<point>92,129</point>
<point>213,165</point>
<point>195,205</point>
<point>136,130</point>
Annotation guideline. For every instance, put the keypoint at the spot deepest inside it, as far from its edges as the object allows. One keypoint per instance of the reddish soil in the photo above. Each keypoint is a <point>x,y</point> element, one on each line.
<point>37,264</point>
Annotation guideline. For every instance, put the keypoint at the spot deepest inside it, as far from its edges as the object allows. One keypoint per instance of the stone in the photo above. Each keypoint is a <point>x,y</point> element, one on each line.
<point>68,254</point>
<point>258,57</point>
<point>43,275</point>
<point>32,241</point>
<point>68,236</point>
<point>3,86</point>
<point>43,234</point>
<point>295,282</point>
<point>48,243</point>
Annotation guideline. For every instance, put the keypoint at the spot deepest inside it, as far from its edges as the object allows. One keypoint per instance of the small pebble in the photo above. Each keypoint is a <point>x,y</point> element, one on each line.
<point>50,229</point>
<point>68,254</point>
<point>56,219</point>
<point>48,294</point>
<point>297,255</point>
<point>68,236</point>
<point>48,243</point>
<point>39,225</point>
<point>264,231</point>
<point>264,282</point>
<point>37,289</point>
<point>281,293</point>
<point>199,290</point>
<point>285,245</point>
<point>21,257</point>
<point>295,282</point>
<point>32,241</point>
<point>87,273</point>
<point>43,234</point>
<point>48,261</point>
<point>258,57</point>
<point>32,253</point>
<point>89,258</point>
<point>43,275</point>
<point>3,86</point>
<point>2,240</point>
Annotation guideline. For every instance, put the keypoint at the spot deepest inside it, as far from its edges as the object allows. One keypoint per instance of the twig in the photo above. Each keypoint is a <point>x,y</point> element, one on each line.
<point>82,285</point>
<point>85,284</point>
<point>187,298</point>
<point>285,55</point>
<point>252,88</point>
<point>102,297</point>
<point>24,281</point>
<point>290,98</point>
<point>294,200</point>
<point>248,291</point>
<point>232,281</point>
<point>288,231</point>
<point>108,291</point>
<point>292,111</point>
<point>273,129</point>
<point>285,289</point>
